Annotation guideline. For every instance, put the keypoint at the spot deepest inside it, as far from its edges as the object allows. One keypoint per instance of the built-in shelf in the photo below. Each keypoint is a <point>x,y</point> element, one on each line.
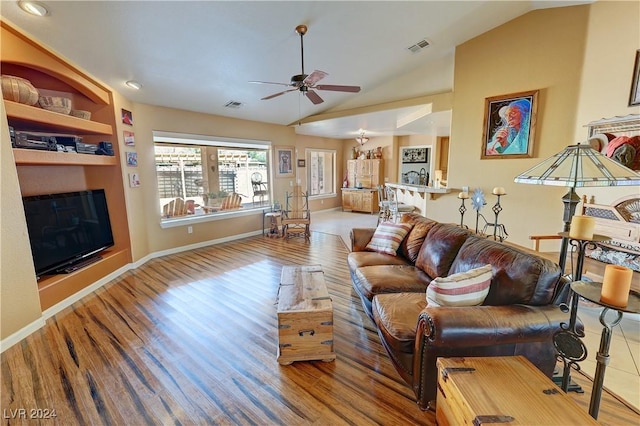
<point>41,119</point>
<point>55,288</point>
<point>54,158</point>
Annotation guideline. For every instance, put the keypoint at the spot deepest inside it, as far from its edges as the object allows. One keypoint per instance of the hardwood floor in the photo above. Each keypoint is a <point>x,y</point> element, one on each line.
<point>191,338</point>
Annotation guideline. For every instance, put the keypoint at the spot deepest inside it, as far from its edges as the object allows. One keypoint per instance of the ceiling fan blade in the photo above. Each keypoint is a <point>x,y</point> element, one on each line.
<point>269,82</point>
<point>275,95</point>
<point>314,97</point>
<point>314,77</point>
<point>338,88</point>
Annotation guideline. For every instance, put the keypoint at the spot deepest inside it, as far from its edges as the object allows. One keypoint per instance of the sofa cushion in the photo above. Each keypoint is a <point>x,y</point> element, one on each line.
<point>410,246</point>
<point>440,247</point>
<point>358,259</point>
<point>388,237</point>
<point>518,276</point>
<point>396,316</point>
<point>468,288</point>
<point>378,279</point>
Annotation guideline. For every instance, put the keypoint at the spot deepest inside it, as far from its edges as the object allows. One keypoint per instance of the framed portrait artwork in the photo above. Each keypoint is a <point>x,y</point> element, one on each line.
<point>301,163</point>
<point>634,96</point>
<point>509,125</point>
<point>284,161</point>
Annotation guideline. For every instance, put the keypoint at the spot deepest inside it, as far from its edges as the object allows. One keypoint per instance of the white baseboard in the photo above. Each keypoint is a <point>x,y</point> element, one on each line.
<point>21,334</point>
<point>58,307</point>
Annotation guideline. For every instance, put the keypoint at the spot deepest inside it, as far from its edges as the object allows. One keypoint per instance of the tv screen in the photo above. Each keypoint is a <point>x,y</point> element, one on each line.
<point>67,228</point>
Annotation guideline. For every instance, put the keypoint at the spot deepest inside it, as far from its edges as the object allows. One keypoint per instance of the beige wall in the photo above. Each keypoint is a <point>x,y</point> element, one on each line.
<point>612,41</point>
<point>542,50</point>
<point>19,301</point>
<point>142,202</point>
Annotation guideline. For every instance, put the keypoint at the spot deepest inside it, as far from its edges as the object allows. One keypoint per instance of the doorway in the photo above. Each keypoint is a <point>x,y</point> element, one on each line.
<point>415,165</point>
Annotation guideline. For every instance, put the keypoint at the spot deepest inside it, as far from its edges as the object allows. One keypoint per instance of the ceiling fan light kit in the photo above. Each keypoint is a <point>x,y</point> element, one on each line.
<point>306,84</point>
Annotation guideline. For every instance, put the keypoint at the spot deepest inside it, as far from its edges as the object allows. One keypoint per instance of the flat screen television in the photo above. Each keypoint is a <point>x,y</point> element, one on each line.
<point>67,229</point>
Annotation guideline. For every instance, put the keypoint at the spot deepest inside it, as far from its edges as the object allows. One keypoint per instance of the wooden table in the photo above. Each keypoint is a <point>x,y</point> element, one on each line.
<point>305,316</point>
<point>510,389</point>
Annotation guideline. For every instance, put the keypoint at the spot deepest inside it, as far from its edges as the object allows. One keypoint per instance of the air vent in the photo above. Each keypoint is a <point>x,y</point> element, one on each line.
<point>233,104</point>
<point>422,44</point>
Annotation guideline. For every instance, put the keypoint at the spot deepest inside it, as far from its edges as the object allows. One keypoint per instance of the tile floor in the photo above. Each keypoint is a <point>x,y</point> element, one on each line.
<point>622,375</point>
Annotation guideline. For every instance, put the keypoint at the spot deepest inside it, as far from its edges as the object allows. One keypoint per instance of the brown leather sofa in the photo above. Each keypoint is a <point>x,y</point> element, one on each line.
<point>518,317</point>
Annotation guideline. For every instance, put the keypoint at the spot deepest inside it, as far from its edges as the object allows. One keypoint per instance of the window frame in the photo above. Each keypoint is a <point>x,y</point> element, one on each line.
<point>309,163</point>
<point>181,139</point>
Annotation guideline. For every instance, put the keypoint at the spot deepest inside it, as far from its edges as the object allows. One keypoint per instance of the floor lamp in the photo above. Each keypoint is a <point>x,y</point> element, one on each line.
<point>577,166</point>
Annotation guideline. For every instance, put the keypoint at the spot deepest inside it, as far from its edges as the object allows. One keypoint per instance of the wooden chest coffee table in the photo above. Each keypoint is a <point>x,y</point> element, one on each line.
<point>509,390</point>
<point>305,316</point>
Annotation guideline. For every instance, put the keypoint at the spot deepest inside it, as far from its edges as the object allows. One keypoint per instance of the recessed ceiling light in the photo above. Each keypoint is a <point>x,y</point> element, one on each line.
<point>33,8</point>
<point>133,84</point>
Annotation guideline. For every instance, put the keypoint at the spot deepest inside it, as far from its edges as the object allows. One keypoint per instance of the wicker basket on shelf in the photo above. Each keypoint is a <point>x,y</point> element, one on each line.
<point>19,90</point>
<point>86,115</point>
<point>56,104</point>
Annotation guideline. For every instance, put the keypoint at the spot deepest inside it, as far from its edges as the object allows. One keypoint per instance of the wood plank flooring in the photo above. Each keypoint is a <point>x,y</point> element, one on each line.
<point>191,339</point>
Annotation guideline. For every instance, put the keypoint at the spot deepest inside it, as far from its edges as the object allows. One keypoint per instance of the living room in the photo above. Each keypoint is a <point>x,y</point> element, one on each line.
<point>579,57</point>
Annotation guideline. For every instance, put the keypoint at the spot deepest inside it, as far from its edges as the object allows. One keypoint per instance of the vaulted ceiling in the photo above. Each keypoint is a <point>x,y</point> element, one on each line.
<point>201,55</point>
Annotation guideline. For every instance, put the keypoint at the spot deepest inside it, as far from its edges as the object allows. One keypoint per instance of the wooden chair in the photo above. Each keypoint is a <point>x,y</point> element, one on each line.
<point>231,201</point>
<point>296,217</point>
<point>178,207</point>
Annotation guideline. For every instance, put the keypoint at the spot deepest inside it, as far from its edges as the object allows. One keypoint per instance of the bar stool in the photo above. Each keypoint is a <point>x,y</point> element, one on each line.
<point>396,209</point>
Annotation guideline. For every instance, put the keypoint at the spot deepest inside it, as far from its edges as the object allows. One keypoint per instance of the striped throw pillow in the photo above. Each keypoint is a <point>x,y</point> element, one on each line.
<point>388,236</point>
<point>463,289</point>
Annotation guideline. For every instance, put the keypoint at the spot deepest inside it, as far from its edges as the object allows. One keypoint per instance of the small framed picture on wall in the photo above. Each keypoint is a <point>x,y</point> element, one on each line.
<point>128,138</point>
<point>132,159</point>
<point>284,161</point>
<point>127,117</point>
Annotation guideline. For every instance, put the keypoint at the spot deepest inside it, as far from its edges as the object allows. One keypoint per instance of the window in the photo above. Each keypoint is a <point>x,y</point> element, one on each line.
<point>321,166</point>
<point>204,176</point>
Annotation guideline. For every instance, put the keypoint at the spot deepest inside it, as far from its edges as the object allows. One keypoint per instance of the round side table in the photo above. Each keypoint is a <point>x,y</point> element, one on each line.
<point>591,291</point>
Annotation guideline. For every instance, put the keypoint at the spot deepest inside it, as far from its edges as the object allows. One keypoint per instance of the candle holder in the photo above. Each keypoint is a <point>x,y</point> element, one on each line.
<point>591,291</point>
<point>499,231</point>
<point>567,340</point>
<point>462,210</point>
<point>497,208</point>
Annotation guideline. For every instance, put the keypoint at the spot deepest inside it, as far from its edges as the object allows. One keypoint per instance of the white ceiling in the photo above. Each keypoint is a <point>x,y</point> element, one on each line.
<point>199,55</point>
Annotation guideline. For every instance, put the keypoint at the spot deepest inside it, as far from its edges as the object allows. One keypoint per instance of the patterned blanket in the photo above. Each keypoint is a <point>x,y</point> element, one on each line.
<point>607,255</point>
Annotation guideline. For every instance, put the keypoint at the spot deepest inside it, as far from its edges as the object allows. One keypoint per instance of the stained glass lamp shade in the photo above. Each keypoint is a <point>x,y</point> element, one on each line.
<point>577,166</point>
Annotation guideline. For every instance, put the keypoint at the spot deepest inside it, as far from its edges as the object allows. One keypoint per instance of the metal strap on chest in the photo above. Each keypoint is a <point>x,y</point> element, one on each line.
<point>448,370</point>
<point>492,419</point>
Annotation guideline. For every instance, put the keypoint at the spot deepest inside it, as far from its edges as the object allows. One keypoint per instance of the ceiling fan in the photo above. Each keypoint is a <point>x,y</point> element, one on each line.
<point>307,83</point>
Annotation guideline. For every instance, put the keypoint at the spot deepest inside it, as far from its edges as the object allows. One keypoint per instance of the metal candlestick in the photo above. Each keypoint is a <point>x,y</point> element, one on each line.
<point>591,291</point>
<point>462,209</point>
<point>497,208</point>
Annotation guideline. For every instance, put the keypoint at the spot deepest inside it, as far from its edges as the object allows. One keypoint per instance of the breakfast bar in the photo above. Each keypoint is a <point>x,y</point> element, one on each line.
<point>416,195</point>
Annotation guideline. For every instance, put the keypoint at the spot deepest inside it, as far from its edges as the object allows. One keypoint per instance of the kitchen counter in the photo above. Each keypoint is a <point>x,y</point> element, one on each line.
<point>416,195</point>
